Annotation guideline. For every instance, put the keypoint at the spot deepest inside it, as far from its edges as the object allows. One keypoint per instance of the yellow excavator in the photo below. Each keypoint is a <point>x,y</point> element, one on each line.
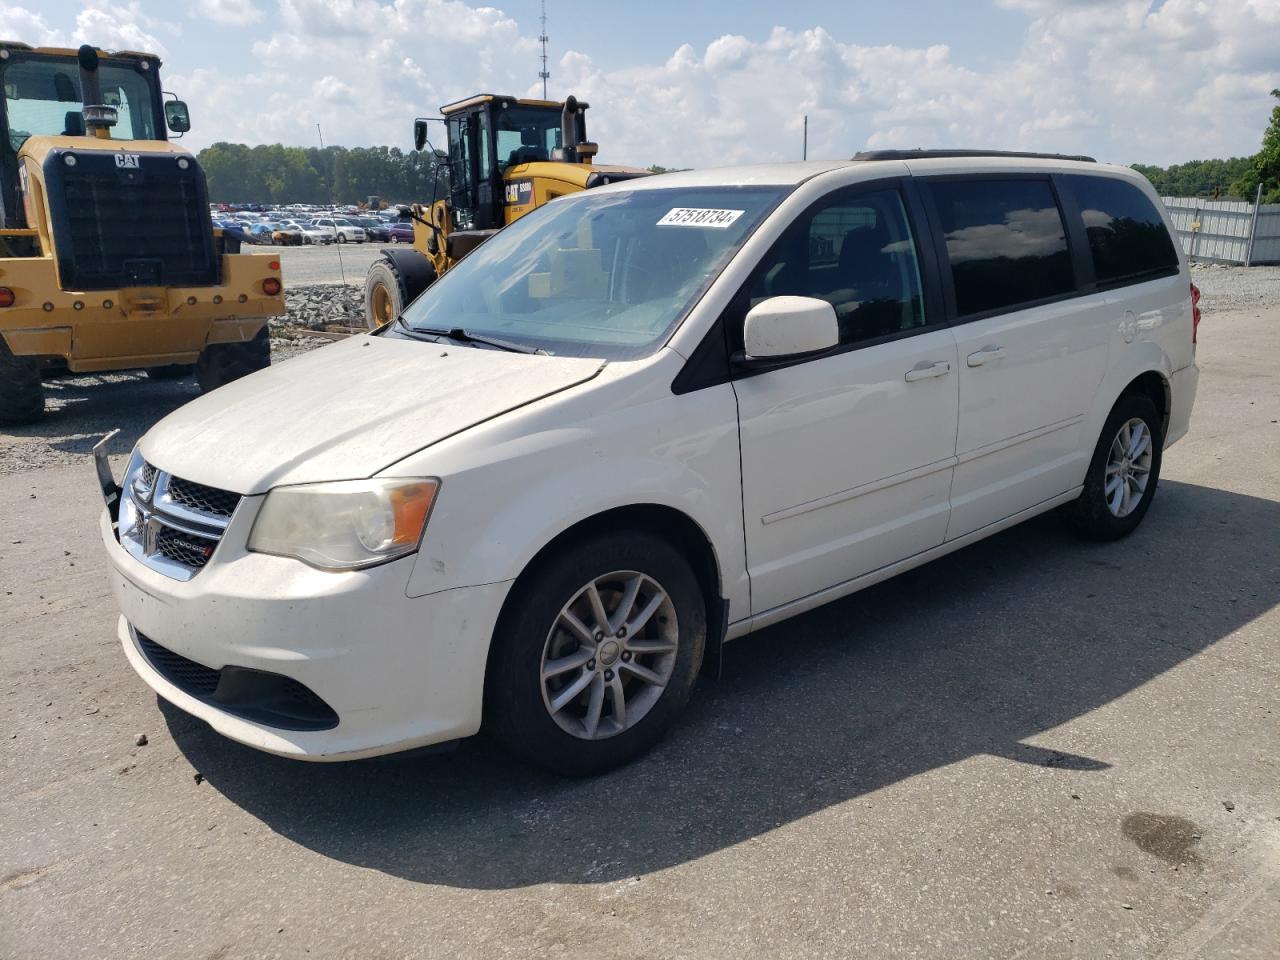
<point>108,257</point>
<point>506,157</point>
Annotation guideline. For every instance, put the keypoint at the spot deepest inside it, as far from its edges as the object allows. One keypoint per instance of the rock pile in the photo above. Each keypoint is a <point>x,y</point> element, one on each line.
<point>314,305</point>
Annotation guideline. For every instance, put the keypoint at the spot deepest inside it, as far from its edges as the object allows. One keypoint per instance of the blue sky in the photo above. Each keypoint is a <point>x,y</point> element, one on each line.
<point>704,83</point>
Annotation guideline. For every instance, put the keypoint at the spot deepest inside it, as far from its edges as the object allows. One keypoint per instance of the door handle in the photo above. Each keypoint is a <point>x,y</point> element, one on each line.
<point>990,352</point>
<point>928,368</point>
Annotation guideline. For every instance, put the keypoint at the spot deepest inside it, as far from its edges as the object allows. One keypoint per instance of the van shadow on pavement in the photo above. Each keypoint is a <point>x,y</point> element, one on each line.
<point>968,655</point>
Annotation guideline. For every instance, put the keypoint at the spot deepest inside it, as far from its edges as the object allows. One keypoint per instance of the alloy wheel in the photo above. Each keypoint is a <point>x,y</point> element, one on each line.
<point>1128,467</point>
<point>609,655</point>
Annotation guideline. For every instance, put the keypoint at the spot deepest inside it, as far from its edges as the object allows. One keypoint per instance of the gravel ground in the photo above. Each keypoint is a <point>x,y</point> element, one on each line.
<point>1236,288</point>
<point>1035,748</point>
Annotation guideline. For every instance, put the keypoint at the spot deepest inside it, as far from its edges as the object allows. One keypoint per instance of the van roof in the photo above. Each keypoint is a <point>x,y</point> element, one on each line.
<point>887,162</point>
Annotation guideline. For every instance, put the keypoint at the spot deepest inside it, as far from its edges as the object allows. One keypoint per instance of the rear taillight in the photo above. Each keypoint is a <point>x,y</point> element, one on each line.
<point>7,298</point>
<point>1195,312</point>
<point>271,286</point>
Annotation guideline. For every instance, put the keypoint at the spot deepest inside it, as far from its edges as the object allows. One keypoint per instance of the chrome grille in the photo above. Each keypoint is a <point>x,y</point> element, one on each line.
<point>171,524</point>
<point>210,500</point>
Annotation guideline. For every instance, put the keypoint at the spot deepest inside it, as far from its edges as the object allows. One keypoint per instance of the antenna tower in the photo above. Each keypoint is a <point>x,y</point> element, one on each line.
<point>543,74</point>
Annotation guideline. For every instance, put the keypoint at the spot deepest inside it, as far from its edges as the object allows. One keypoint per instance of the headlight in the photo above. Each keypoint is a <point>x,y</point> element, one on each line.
<point>347,525</point>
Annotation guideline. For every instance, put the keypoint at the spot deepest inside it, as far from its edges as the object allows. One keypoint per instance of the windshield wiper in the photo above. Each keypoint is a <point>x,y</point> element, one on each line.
<point>462,336</point>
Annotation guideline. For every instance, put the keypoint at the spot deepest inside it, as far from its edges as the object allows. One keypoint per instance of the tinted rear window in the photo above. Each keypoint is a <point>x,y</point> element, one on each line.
<point>1127,237</point>
<point>1006,243</point>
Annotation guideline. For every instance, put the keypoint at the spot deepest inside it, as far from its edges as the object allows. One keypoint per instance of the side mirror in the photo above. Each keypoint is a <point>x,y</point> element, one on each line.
<point>176,116</point>
<point>419,133</point>
<point>783,328</point>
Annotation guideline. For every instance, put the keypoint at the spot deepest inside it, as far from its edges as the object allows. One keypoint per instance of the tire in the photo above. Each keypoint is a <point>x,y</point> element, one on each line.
<point>1102,512</point>
<point>342,238</point>
<point>171,371</point>
<point>221,363</point>
<point>519,710</point>
<point>384,295</point>
<point>21,388</point>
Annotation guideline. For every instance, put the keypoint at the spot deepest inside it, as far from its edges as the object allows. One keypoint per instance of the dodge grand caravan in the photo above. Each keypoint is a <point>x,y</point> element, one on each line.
<point>644,420</point>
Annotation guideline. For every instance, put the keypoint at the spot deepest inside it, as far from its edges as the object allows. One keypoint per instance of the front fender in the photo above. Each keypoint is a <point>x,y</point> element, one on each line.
<point>506,494</point>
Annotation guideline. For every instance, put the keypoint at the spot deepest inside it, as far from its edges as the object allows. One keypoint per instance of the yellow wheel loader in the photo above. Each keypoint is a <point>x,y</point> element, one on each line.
<point>506,157</point>
<point>108,257</point>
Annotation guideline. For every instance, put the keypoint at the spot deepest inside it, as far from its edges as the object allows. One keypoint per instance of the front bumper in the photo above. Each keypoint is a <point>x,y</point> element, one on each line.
<point>398,672</point>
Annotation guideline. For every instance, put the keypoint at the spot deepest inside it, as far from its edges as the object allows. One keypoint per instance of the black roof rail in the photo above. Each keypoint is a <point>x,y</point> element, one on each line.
<point>920,154</point>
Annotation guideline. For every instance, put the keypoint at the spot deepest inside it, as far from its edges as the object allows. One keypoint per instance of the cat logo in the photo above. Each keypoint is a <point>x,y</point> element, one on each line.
<point>127,161</point>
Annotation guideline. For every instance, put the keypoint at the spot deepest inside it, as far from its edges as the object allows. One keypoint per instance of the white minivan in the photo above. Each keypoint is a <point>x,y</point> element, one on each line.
<point>641,421</point>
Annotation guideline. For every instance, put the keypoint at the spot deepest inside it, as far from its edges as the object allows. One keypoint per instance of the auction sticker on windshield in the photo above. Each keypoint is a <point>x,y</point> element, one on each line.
<point>699,217</point>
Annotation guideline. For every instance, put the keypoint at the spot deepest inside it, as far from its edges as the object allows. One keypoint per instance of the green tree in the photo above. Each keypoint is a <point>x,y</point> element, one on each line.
<point>1265,168</point>
<point>272,173</point>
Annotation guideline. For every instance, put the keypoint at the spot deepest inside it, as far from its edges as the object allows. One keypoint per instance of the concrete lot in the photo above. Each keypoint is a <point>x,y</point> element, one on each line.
<point>1036,747</point>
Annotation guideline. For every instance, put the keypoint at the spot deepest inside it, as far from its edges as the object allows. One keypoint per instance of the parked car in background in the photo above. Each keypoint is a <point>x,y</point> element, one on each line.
<point>375,228</point>
<point>288,235</point>
<point>260,232</point>
<point>311,234</point>
<point>400,232</point>
<point>341,229</point>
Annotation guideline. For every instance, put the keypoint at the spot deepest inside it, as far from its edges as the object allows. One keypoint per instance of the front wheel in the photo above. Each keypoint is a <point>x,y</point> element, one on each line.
<point>596,654</point>
<point>221,363</point>
<point>384,298</point>
<point>1123,473</point>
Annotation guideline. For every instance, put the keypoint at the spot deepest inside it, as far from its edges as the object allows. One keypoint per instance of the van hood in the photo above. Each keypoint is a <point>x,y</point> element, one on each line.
<point>348,410</point>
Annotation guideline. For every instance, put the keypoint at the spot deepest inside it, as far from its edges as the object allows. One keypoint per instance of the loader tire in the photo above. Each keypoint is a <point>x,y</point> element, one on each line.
<point>384,297</point>
<point>21,388</point>
<point>220,363</point>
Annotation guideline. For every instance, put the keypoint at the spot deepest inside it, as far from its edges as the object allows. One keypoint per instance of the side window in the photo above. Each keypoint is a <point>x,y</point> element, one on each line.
<point>857,253</point>
<point>1005,241</point>
<point>1127,237</point>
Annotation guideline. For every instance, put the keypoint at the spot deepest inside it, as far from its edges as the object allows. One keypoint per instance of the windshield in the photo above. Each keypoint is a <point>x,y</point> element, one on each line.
<point>596,274</point>
<point>525,134</point>
<point>42,97</point>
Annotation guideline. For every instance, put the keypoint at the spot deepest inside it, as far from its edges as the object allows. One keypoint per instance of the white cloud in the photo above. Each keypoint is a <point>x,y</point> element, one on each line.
<point>230,12</point>
<point>1127,80</point>
<point>18,23</point>
<point>112,26</point>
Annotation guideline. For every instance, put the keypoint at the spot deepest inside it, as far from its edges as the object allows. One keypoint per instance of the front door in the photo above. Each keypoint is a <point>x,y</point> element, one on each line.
<point>847,458</point>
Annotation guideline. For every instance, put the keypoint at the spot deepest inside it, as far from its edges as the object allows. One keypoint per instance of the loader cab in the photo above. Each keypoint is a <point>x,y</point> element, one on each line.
<point>488,135</point>
<point>44,95</point>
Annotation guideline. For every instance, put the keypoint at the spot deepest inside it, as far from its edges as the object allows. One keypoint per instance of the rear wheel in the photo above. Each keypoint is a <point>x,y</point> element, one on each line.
<point>220,363</point>
<point>1123,473</point>
<point>21,388</point>
<point>342,238</point>
<point>597,653</point>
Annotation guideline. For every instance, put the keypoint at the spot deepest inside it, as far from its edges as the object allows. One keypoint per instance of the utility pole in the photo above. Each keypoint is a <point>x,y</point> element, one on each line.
<point>543,40</point>
<point>320,135</point>
<point>805,150</point>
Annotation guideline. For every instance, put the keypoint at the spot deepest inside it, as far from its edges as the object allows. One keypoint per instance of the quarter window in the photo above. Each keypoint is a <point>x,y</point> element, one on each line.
<point>857,253</point>
<point>1006,243</point>
<point>1127,237</point>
